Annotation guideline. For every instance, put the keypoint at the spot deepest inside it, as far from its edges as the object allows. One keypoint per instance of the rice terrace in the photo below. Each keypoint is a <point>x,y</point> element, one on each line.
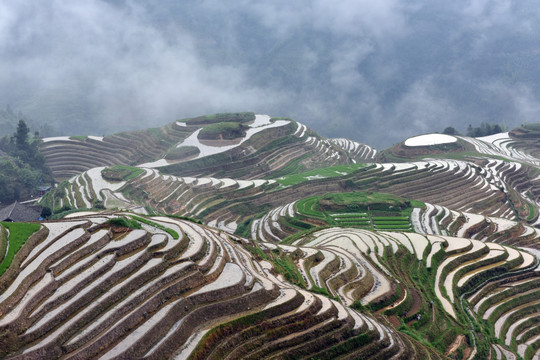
<point>244,236</point>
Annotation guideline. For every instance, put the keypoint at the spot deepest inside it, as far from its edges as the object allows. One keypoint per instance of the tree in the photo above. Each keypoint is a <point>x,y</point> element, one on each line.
<point>23,167</point>
<point>485,129</point>
<point>450,131</point>
<point>46,212</point>
<point>21,136</point>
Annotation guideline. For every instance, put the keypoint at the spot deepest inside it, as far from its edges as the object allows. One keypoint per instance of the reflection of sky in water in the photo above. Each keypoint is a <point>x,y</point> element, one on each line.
<point>532,251</point>
<point>260,123</point>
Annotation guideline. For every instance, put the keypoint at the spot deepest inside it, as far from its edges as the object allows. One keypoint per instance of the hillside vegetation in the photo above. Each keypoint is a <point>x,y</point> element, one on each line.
<point>274,242</point>
<point>22,166</point>
<point>219,118</point>
<point>222,131</point>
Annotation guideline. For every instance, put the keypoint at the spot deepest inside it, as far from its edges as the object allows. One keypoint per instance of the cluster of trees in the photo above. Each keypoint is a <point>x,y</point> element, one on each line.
<point>484,129</point>
<point>22,166</point>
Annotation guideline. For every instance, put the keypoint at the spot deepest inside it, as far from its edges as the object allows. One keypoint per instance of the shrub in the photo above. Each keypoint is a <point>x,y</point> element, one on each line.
<point>63,209</point>
<point>223,131</point>
<point>46,212</point>
<point>122,221</point>
<point>357,305</point>
<point>98,204</point>
<point>244,228</point>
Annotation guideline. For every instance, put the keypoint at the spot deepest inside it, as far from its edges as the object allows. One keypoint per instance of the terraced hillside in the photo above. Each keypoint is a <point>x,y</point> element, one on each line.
<point>520,145</point>
<point>84,289</point>
<point>267,146</point>
<point>310,248</point>
<point>71,155</point>
<point>493,189</point>
<point>271,149</point>
<point>306,214</point>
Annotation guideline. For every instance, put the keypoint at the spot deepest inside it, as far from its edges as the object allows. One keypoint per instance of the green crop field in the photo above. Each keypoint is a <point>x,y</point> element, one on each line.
<point>18,234</point>
<point>121,172</point>
<point>366,210</point>
<point>329,172</point>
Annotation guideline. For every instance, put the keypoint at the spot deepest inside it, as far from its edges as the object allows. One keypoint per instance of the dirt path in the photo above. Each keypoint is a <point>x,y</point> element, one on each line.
<point>417,303</point>
<point>455,345</point>
<point>396,303</point>
<point>394,321</point>
<point>467,352</point>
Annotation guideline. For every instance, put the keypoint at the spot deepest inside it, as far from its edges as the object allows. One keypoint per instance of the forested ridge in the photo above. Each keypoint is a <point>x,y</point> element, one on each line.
<point>22,166</point>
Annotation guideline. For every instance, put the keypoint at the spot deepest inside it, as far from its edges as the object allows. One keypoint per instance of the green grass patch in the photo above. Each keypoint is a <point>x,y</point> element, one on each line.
<point>388,222</point>
<point>531,212</point>
<point>170,231</point>
<point>244,228</point>
<point>223,131</point>
<point>363,201</point>
<point>356,221</point>
<point>18,234</point>
<point>256,252</point>
<point>390,218</point>
<point>78,137</point>
<point>292,167</point>
<point>358,225</point>
<point>182,152</point>
<point>123,221</point>
<point>240,117</point>
<point>310,207</point>
<point>287,267</point>
<point>350,215</point>
<point>121,173</point>
<point>366,210</point>
<point>329,172</point>
<point>322,291</point>
<point>299,224</point>
<point>393,227</point>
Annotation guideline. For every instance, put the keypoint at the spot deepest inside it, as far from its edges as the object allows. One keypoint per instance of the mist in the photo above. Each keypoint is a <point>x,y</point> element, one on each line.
<point>375,72</point>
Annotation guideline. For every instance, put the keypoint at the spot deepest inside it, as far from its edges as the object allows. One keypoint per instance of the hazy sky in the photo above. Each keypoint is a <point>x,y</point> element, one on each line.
<point>373,71</point>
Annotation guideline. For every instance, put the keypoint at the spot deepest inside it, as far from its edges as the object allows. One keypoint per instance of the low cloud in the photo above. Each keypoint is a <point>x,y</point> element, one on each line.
<point>376,72</point>
<point>116,63</point>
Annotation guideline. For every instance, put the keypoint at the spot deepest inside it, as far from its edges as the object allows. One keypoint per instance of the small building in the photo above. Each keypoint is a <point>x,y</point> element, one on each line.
<point>18,212</point>
<point>43,189</point>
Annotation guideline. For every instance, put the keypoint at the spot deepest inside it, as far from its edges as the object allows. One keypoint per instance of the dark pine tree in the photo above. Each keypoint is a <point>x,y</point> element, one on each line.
<point>21,135</point>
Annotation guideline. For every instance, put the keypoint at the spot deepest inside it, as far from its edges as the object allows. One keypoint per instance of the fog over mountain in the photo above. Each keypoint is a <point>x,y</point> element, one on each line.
<point>375,72</point>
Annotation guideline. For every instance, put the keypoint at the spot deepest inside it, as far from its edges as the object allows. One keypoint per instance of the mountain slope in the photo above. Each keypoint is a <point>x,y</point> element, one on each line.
<point>311,247</point>
<point>267,147</point>
<point>87,290</point>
